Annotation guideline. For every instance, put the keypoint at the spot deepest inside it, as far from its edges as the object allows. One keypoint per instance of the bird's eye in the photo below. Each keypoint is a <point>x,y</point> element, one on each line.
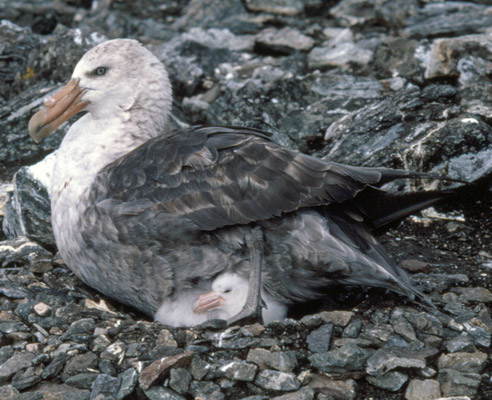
<point>227,290</point>
<point>100,71</point>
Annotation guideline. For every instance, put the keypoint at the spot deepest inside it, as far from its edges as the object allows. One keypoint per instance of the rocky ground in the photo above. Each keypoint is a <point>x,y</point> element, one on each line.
<point>395,83</point>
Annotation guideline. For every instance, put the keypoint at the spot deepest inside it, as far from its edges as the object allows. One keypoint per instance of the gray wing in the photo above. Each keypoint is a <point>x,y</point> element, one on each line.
<point>217,176</point>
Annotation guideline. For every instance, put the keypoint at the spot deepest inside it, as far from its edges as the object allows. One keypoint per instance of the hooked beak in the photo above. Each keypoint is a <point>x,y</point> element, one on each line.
<point>207,302</point>
<point>57,109</point>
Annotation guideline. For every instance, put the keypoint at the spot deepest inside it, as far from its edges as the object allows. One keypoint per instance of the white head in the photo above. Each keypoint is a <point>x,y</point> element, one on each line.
<point>228,295</point>
<point>232,287</point>
<point>118,78</point>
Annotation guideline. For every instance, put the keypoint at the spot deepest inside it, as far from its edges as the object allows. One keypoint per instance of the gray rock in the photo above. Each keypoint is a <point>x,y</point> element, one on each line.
<point>349,138</point>
<point>240,371</point>
<point>388,359</point>
<point>166,338</point>
<point>104,387</point>
<point>472,47</point>
<point>28,213</point>
<point>179,380</point>
<point>394,13</point>
<point>219,38</point>
<point>128,381</point>
<point>83,380</point>
<point>445,19</point>
<point>21,249</point>
<point>11,327</point>
<point>114,351</point>
<point>333,388</point>
<point>463,342</point>
<point>6,352</point>
<point>344,55</point>
<point>427,389</point>
<point>256,397</point>
<point>199,368</point>
<point>206,390</point>
<point>161,393</point>
<point>284,361</point>
<point>282,41</point>
<point>304,393</point>
<point>425,322</point>
<point>377,334</point>
<point>459,309</point>
<point>392,380</point>
<point>17,362</point>
<point>80,363</point>
<point>269,379</point>
<point>9,392</point>
<point>106,367</point>
<point>28,71</point>
<point>352,330</point>
<point>23,380</point>
<point>456,383</point>
<point>463,362</point>
<point>415,265</point>
<point>319,339</point>
<point>60,392</point>
<point>480,335</point>
<point>206,13</point>
<point>337,318</point>
<point>346,358</point>
<point>236,343</point>
<point>282,7</point>
<point>474,295</point>
<point>402,327</point>
<point>55,366</point>
<point>353,12</point>
<point>442,282</point>
<point>81,327</point>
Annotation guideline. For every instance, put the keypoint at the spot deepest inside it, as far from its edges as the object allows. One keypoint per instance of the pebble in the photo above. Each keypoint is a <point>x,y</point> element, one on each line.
<point>17,362</point>
<point>282,41</point>
<point>337,318</point>
<point>42,309</point>
<point>392,380</point>
<point>464,362</point>
<point>352,330</point>
<point>104,387</point>
<point>206,390</point>
<point>285,361</point>
<point>240,371</point>
<point>276,380</point>
<point>281,7</point>
<point>463,342</point>
<point>427,389</point>
<point>179,380</point>
<point>346,358</point>
<point>319,339</point>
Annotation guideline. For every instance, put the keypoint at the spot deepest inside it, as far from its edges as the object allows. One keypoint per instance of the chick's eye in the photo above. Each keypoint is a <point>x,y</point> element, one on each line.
<point>99,71</point>
<point>227,290</point>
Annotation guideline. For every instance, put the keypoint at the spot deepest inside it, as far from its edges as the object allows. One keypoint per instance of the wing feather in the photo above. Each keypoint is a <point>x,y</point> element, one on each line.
<point>215,177</point>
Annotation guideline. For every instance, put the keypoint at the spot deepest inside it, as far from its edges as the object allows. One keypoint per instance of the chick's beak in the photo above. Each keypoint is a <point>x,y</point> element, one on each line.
<point>207,302</point>
<point>57,109</point>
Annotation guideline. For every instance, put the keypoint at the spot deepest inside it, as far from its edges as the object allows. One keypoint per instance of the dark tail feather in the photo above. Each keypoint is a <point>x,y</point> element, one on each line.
<point>381,208</point>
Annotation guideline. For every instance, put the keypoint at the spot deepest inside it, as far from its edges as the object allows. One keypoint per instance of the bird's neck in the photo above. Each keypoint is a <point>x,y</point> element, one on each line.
<point>93,143</point>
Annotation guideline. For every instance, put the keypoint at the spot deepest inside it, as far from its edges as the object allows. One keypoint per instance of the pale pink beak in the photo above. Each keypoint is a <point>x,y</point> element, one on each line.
<point>57,109</point>
<point>207,302</point>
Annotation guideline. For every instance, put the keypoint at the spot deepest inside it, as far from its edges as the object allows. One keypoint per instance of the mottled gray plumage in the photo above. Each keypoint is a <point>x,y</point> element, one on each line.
<point>175,211</point>
<point>146,217</point>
